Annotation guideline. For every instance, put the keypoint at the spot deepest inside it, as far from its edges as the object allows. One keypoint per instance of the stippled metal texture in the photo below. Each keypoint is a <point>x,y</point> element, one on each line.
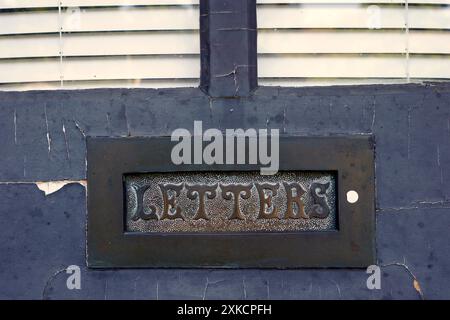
<point>202,202</point>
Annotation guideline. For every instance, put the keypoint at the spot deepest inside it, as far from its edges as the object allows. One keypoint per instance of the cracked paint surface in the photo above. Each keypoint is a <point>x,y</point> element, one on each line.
<point>43,135</point>
<point>37,257</point>
<point>233,72</point>
<point>412,250</point>
<point>410,125</point>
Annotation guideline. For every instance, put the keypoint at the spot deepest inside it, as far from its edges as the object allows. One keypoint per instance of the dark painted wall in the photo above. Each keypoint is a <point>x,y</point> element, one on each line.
<point>43,138</point>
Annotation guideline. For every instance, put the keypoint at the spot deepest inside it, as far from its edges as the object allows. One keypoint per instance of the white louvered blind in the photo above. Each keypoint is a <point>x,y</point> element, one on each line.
<point>50,44</point>
<point>325,42</point>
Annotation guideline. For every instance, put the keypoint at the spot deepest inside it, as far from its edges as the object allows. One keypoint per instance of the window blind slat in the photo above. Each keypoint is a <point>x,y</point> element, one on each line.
<point>331,41</point>
<point>352,40</point>
<point>156,42</point>
<point>107,19</point>
<point>28,22</point>
<point>437,67</point>
<point>94,44</point>
<point>350,16</point>
<point>91,84</point>
<point>421,41</point>
<point>26,46</point>
<point>429,17</point>
<point>99,68</point>
<point>31,70</point>
<point>344,66</point>
<point>335,66</point>
<point>329,16</point>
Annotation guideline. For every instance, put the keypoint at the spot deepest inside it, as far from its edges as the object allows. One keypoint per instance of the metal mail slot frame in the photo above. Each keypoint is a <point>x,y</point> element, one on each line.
<point>352,244</point>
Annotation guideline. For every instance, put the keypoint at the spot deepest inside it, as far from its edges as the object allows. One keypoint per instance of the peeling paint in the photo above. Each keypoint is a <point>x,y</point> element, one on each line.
<point>15,126</point>
<point>412,204</point>
<point>49,139</point>
<point>65,141</point>
<point>417,287</point>
<point>49,187</point>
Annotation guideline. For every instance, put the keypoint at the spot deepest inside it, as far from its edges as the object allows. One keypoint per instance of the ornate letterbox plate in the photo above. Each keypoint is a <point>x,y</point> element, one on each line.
<point>230,202</point>
<point>145,211</point>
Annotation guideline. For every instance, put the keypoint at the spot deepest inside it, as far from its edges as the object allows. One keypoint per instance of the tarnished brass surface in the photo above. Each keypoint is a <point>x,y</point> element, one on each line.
<point>230,202</point>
